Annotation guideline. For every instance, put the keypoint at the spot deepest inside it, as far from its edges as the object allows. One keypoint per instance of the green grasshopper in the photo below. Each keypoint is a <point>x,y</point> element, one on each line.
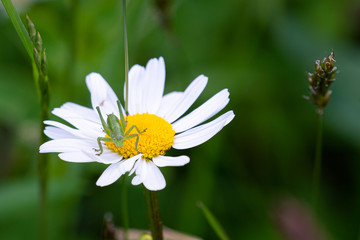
<point>116,128</point>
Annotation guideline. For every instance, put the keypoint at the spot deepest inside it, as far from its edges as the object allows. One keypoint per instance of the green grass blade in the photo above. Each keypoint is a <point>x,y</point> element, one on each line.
<point>126,50</point>
<point>19,27</point>
<point>124,205</point>
<point>214,223</point>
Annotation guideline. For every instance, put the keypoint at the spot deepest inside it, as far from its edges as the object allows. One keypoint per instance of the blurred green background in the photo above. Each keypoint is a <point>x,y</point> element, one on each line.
<point>260,50</point>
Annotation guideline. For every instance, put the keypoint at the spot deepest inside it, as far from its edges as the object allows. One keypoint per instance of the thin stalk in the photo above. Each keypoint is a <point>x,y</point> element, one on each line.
<point>42,171</point>
<point>73,44</point>
<point>19,27</point>
<point>126,50</point>
<point>41,83</point>
<point>318,154</point>
<point>214,223</point>
<point>124,206</point>
<point>153,209</point>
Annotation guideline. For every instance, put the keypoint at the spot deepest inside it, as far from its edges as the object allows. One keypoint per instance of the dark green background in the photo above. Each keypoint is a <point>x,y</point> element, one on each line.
<point>260,50</point>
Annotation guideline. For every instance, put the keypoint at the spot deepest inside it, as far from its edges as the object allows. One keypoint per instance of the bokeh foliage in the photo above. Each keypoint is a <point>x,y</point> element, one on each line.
<point>260,50</point>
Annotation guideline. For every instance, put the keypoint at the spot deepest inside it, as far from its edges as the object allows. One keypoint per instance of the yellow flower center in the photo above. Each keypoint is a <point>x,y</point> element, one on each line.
<point>155,140</point>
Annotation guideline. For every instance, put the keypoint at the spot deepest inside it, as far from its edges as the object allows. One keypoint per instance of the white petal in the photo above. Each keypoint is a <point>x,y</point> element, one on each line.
<point>114,172</point>
<point>110,175</point>
<point>136,74</point>
<point>107,157</point>
<point>190,95</point>
<point>154,180</point>
<point>129,163</point>
<point>164,161</point>
<point>140,168</point>
<point>148,174</point>
<point>65,145</point>
<point>154,82</point>
<point>75,156</point>
<point>226,117</point>
<point>102,94</point>
<point>168,102</point>
<point>74,110</point>
<point>204,112</point>
<point>62,131</point>
<point>136,180</point>
<point>141,172</point>
<point>136,157</point>
<point>55,133</point>
<point>88,128</point>
<point>202,133</point>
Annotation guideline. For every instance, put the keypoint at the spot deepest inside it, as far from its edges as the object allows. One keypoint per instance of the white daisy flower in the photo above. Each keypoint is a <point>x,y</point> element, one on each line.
<point>148,109</point>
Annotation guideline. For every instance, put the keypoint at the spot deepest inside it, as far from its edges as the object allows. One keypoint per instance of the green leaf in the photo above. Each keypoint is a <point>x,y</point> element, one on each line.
<point>19,27</point>
<point>214,223</point>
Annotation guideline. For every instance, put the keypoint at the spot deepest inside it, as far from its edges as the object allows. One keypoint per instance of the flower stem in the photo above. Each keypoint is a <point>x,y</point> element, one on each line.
<point>318,153</point>
<point>124,204</point>
<point>124,208</point>
<point>126,50</point>
<point>43,158</point>
<point>74,46</point>
<point>39,65</point>
<point>153,209</point>
<point>43,176</point>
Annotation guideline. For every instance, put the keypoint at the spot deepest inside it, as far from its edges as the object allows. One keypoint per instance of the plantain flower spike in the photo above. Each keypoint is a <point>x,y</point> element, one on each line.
<point>31,28</point>
<point>320,82</point>
<point>39,54</point>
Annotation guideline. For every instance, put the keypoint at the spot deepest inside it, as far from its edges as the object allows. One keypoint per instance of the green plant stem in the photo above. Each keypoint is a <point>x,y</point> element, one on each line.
<point>19,27</point>
<point>43,159</point>
<point>124,206</point>
<point>153,209</point>
<point>126,50</point>
<point>214,223</point>
<point>124,187</point>
<point>318,154</point>
<point>73,44</point>
<point>42,171</point>
<point>41,83</point>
